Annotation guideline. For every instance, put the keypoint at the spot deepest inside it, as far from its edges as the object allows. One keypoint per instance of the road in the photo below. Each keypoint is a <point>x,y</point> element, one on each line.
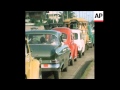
<point>73,70</point>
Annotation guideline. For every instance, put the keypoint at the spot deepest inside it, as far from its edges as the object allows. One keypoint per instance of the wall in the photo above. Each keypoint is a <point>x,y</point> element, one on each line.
<point>29,27</point>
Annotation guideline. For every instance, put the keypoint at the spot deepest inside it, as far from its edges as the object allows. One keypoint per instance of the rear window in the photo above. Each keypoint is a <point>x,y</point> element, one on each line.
<point>75,36</point>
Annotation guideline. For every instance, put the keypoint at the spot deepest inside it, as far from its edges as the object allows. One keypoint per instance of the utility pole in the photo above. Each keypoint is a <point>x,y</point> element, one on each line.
<point>53,16</point>
<point>63,15</point>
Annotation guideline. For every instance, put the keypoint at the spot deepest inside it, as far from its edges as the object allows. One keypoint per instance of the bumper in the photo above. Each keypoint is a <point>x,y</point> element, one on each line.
<point>89,44</point>
<point>50,67</point>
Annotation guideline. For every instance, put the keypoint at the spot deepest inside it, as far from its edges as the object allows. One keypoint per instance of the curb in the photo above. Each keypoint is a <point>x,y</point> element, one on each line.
<point>82,70</point>
<point>85,74</point>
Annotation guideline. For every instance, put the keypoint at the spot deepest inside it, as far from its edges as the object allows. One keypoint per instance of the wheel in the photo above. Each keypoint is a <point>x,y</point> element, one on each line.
<point>57,74</point>
<point>66,69</point>
<point>91,46</point>
<point>71,62</point>
<point>83,53</point>
<point>80,54</point>
<point>86,47</point>
<point>75,59</point>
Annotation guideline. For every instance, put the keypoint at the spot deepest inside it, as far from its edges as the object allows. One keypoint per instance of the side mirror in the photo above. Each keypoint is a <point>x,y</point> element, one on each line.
<point>61,39</point>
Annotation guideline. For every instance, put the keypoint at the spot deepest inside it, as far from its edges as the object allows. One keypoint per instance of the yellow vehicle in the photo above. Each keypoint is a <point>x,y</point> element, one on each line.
<point>81,24</point>
<point>32,66</point>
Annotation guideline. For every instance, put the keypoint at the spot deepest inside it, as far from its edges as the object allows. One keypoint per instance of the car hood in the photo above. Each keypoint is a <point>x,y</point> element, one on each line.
<point>43,51</point>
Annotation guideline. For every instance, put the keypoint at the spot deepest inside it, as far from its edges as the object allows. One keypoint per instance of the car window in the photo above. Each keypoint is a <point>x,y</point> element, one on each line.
<point>75,36</point>
<point>64,36</point>
<point>42,39</point>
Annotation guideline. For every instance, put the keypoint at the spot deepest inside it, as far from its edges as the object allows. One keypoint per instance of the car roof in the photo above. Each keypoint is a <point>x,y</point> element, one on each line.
<point>43,32</point>
<point>65,30</point>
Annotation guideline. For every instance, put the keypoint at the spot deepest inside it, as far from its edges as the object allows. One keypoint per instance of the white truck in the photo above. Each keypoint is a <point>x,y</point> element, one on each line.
<point>78,39</point>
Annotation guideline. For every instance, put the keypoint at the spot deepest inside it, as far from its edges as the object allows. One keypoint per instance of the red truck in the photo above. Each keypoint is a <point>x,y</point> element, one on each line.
<point>69,40</point>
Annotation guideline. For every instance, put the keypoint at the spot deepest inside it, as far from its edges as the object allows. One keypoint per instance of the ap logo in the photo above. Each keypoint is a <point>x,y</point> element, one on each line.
<point>98,16</point>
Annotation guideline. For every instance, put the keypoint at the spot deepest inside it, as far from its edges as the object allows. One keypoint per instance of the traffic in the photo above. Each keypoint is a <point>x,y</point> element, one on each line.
<point>56,49</point>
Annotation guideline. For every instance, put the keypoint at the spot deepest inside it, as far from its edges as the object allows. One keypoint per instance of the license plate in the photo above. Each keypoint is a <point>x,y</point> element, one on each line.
<point>50,65</point>
<point>45,65</point>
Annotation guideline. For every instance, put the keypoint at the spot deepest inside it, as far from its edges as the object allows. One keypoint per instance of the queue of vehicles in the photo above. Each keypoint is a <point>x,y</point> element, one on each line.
<point>53,50</point>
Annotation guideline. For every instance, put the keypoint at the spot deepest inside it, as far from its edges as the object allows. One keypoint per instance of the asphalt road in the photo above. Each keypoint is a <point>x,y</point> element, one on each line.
<point>75,69</point>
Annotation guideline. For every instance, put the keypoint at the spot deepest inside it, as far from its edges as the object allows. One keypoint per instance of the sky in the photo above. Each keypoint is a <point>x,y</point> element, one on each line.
<point>88,15</point>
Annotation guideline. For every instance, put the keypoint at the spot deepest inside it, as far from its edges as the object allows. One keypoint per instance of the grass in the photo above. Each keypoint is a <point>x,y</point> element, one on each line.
<point>87,70</point>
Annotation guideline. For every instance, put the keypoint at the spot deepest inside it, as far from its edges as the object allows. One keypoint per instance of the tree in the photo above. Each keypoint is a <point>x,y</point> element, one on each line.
<point>70,14</point>
<point>63,15</point>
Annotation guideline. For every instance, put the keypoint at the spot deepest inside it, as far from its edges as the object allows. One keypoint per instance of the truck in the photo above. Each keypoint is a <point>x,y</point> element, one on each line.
<point>80,24</point>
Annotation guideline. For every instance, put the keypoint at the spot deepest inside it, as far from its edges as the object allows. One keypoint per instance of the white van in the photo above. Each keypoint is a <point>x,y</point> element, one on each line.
<point>78,39</point>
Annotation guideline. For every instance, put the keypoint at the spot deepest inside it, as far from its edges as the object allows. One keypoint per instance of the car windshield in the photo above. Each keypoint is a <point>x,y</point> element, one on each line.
<point>48,39</point>
<point>75,36</point>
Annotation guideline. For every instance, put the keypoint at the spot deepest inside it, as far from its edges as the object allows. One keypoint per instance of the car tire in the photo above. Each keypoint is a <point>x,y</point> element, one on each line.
<point>91,46</point>
<point>57,74</point>
<point>66,69</point>
<point>71,62</point>
<point>86,47</point>
<point>75,59</point>
<point>83,53</point>
<point>80,54</point>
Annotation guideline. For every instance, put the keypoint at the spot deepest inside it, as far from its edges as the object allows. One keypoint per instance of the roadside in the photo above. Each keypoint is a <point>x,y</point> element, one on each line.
<point>89,72</point>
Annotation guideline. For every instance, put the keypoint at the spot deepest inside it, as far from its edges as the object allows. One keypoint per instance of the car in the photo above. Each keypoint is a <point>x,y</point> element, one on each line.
<point>47,46</point>
<point>78,39</point>
<point>32,65</point>
<point>68,40</point>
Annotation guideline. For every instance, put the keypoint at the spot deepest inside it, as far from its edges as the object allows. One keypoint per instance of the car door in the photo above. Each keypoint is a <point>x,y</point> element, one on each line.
<point>82,41</point>
<point>66,51</point>
<point>60,54</point>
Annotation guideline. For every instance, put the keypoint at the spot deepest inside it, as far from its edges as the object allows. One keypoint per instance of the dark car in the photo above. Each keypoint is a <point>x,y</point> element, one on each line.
<point>47,46</point>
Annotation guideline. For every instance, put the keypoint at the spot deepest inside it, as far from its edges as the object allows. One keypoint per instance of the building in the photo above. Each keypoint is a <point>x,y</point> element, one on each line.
<point>33,14</point>
<point>54,15</point>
